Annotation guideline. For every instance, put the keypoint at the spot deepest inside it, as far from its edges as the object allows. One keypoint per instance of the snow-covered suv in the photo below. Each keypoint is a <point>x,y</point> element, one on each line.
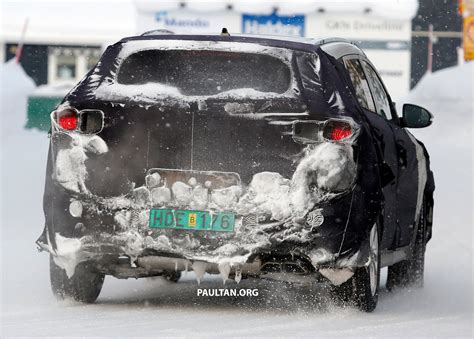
<point>240,155</point>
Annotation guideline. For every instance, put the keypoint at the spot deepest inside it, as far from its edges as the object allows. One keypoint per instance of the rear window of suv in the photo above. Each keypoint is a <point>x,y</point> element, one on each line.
<point>204,73</point>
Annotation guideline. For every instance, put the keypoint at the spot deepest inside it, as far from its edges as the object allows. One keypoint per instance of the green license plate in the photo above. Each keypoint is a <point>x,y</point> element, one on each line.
<point>192,220</point>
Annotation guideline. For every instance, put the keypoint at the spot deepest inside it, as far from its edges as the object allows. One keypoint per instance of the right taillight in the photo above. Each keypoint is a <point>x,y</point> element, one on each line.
<point>344,130</point>
<point>67,119</point>
<point>336,130</point>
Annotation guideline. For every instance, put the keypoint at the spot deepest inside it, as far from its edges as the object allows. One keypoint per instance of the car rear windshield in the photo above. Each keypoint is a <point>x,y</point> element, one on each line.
<point>205,73</point>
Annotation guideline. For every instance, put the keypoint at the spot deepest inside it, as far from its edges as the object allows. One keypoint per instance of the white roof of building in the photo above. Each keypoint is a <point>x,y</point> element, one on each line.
<point>395,9</point>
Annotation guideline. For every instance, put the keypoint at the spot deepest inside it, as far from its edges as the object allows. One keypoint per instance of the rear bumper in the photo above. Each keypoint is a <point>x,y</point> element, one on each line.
<point>134,256</point>
<point>117,238</point>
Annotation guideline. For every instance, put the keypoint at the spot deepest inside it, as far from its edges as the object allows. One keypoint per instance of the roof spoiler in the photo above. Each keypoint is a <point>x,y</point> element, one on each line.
<point>158,32</point>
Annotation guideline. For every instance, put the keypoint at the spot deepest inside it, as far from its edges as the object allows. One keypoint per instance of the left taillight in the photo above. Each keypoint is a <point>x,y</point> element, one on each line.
<point>86,121</point>
<point>67,119</point>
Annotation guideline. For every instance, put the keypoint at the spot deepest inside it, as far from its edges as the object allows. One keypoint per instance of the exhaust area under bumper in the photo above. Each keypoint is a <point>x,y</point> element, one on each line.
<point>128,262</point>
<point>295,271</point>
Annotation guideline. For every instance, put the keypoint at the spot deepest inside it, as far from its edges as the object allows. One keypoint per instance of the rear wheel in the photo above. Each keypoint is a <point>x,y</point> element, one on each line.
<point>411,272</point>
<point>362,289</point>
<point>84,286</point>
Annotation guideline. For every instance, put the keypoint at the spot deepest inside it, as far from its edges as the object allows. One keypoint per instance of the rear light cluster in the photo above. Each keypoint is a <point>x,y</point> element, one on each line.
<point>336,130</point>
<point>67,119</point>
<point>88,121</point>
<point>315,131</point>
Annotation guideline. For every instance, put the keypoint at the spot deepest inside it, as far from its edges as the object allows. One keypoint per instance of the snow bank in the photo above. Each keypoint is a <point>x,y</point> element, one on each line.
<point>15,88</point>
<point>453,84</point>
<point>449,95</point>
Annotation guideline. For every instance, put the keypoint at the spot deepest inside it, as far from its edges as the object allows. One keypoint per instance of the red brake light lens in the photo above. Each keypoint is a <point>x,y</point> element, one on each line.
<point>339,133</point>
<point>67,119</point>
<point>337,130</point>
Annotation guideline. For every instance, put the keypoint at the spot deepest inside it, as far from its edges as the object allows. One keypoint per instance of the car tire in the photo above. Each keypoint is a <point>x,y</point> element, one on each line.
<point>363,288</point>
<point>84,286</point>
<point>410,273</point>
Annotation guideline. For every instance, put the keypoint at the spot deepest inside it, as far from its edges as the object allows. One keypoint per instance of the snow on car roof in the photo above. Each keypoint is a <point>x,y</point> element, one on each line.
<point>301,43</point>
<point>304,40</point>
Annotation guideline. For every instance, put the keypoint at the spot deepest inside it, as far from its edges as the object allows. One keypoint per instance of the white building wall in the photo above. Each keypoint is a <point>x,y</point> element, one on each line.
<point>383,27</point>
<point>386,41</point>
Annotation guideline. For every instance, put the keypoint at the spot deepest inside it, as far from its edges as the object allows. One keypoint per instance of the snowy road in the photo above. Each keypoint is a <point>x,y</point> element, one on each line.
<point>158,308</point>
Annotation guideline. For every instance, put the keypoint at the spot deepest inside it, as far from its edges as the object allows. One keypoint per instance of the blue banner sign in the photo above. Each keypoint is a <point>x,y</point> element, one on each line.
<point>273,24</point>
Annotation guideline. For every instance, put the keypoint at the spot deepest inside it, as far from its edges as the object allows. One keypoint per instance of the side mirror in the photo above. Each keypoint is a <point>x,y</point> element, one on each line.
<point>416,117</point>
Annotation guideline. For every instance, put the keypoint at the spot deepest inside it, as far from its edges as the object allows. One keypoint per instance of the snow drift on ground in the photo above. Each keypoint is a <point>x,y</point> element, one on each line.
<point>449,95</point>
<point>155,307</point>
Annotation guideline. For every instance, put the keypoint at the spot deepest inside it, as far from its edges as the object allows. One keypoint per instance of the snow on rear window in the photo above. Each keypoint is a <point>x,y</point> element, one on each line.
<point>206,72</point>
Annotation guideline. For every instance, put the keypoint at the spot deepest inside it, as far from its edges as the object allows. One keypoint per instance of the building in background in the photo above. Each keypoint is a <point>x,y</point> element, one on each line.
<point>382,29</point>
<point>55,64</point>
<point>65,39</point>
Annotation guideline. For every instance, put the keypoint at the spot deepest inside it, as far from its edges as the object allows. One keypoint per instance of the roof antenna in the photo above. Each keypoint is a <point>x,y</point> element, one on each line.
<point>225,32</point>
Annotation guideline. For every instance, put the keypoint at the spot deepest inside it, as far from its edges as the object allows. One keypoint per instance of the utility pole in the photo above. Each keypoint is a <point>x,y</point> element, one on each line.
<point>430,49</point>
<point>19,49</point>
